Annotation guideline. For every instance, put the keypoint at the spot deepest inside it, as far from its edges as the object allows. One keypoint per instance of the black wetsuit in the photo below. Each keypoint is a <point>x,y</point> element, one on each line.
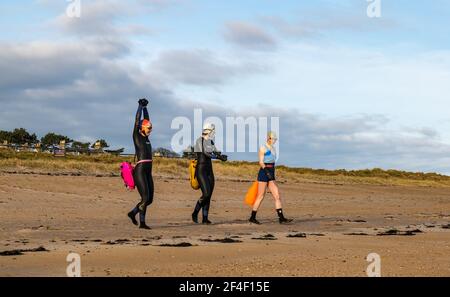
<point>206,151</point>
<point>143,172</point>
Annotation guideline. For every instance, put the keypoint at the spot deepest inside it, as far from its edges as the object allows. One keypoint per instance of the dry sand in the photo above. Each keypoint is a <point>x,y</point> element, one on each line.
<point>87,215</point>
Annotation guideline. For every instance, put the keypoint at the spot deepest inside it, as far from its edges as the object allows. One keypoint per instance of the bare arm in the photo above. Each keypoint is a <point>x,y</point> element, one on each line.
<point>261,157</point>
<point>263,165</point>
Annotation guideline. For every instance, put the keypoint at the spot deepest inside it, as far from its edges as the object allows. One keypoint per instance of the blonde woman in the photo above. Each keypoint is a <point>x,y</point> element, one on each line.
<point>266,178</point>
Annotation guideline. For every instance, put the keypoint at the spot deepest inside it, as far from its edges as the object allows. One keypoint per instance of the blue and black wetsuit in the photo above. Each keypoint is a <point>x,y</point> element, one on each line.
<point>143,171</point>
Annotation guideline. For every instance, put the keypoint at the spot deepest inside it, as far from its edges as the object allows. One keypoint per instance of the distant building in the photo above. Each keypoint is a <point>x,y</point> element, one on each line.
<point>165,153</point>
<point>189,153</point>
<point>4,144</point>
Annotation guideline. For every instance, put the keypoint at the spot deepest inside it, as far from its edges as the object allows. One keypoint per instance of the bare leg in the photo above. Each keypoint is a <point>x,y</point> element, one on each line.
<point>276,194</point>
<point>262,186</point>
<point>261,193</point>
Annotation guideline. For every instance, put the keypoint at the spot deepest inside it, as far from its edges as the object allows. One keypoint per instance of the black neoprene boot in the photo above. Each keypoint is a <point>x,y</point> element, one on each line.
<point>205,212</point>
<point>144,226</point>
<point>132,217</point>
<point>206,221</point>
<point>195,213</point>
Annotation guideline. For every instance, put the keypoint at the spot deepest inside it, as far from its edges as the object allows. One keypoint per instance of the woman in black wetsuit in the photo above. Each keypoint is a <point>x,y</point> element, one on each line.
<point>206,150</point>
<point>143,171</point>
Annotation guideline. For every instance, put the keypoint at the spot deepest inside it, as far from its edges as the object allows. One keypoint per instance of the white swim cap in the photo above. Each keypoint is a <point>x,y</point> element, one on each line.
<point>208,128</point>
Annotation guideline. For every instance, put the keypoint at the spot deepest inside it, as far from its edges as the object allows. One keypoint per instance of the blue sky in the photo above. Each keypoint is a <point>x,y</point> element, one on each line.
<point>364,92</point>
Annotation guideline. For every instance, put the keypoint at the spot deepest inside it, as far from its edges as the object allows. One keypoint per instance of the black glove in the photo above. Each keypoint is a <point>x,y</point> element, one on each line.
<point>143,102</point>
<point>219,156</point>
<point>268,173</point>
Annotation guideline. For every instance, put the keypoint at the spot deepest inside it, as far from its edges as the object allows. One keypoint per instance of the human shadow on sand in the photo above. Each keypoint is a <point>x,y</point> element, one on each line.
<point>222,240</point>
<point>395,232</point>
<point>265,237</point>
<point>181,244</point>
<point>20,252</point>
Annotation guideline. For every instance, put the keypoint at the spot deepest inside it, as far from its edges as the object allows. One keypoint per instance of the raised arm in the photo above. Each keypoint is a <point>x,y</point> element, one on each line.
<point>146,116</point>
<point>138,118</point>
<point>141,109</point>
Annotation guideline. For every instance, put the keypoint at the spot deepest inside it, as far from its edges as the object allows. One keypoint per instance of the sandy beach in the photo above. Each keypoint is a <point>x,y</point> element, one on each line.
<point>335,227</point>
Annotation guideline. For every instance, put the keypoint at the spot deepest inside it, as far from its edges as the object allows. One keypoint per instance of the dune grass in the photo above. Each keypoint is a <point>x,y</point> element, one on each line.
<point>108,165</point>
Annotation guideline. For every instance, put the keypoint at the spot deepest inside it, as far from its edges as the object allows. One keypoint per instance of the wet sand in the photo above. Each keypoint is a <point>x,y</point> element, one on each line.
<point>335,227</point>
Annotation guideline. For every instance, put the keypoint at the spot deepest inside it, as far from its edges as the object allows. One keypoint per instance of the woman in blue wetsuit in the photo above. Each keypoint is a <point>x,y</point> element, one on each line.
<point>143,171</point>
<point>266,178</point>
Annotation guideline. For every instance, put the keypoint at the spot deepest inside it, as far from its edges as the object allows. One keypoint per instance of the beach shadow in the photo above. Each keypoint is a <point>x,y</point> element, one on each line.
<point>223,240</point>
<point>181,244</point>
<point>20,252</point>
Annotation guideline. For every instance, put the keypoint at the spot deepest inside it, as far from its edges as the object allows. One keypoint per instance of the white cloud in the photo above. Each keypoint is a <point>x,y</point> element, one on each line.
<point>101,101</point>
<point>249,36</point>
<point>200,67</point>
<point>87,88</point>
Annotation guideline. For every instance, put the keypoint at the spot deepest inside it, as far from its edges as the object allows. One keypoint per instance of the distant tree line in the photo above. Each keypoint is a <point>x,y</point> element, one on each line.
<point>51,141</point>
<point>21,136</point>
<point>18,136</point>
